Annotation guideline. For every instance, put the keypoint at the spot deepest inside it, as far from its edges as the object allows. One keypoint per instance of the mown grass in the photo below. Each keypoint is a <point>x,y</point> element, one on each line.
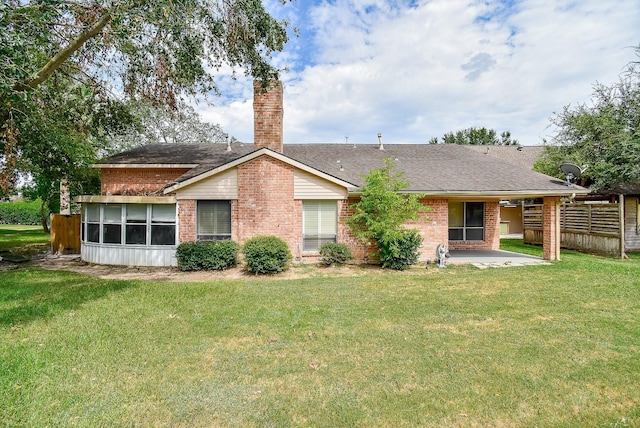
<point>555,345</point>
<point>25,240</point>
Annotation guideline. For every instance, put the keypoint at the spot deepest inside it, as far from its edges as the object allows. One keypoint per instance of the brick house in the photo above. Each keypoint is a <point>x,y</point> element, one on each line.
<point>157,196</point>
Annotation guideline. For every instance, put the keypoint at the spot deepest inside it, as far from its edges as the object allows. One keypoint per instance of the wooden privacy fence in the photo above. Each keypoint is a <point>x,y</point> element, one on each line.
<point>65,234</point>
<point>594,228</point>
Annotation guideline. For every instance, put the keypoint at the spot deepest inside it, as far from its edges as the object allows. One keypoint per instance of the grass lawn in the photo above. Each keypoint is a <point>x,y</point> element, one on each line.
<point>554,345</point>
<point>23,239</point>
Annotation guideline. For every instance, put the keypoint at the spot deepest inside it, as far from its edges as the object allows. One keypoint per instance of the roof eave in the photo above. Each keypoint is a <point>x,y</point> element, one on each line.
<point>145,165</point>
<point>494,194</point>
<point>120,199</point>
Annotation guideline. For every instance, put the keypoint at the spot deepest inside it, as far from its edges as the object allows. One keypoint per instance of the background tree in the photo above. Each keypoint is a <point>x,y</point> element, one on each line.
<point>381,213</point>
<point>159,124</point>
<point>476,136</point>
<point>90,56</point>
<point>65,130</point>
<point>604,135</point>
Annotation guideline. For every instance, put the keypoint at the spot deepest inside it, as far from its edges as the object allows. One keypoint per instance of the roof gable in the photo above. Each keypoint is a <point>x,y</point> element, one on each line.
<point>204,171</point>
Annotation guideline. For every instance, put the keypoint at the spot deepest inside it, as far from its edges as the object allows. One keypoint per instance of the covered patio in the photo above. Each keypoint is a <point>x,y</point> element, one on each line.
<point>492,258</point>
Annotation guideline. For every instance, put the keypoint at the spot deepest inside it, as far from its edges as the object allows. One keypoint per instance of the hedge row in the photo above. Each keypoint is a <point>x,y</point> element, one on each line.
<point>20,212</point>
<point>207,255</point>
<point>262,254</point>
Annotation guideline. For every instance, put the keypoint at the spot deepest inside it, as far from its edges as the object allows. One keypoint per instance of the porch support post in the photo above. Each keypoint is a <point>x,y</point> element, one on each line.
<point>551,228</point>
<point>623,227</point>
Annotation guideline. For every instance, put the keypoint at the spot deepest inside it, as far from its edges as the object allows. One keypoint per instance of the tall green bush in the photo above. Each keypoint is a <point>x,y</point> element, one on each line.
<point>381,214</point>
<point>399,250</point>
<point>266,254</point>
<point>207,255</point>
<point>20,212</point>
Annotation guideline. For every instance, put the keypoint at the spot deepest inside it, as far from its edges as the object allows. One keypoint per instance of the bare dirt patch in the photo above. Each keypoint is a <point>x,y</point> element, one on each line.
<point>75,264</point>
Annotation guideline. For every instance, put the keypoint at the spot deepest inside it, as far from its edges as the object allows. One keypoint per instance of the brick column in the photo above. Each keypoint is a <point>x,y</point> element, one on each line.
<point>186,220</point>
<point>268,116</point>
<point>551,228</point>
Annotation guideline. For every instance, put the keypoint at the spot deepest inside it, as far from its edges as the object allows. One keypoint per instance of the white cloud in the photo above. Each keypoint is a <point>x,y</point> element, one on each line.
<point>417,69</point>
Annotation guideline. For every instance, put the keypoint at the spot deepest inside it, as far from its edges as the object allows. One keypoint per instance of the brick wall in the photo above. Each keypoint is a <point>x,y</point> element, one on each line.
<point>267,116</point>
<point>137,181</point>
<point>433,227</point>
<point>187,220</point>
<point>346,237</point>
<point>265,203</point>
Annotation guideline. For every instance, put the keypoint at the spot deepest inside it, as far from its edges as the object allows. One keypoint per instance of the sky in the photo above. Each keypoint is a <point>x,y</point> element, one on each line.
<point>416,69</point>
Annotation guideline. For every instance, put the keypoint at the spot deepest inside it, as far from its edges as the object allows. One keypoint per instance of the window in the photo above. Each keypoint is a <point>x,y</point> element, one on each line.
<point>214,220</point>
<point>163,225</point>
<point>466,221</point>
<point>131,224</point>
<point>136,228</point>
<point>319,224</point>
<point>112,224</point>
<point>92,219</point>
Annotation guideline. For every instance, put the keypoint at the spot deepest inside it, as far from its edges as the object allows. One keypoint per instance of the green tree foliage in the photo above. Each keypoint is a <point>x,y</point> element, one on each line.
<point>68,70</point>
<point>157,50</point>
<point>159,124</point>
<point>60,133</point>
<point>476,136</point>
<point>20,212</point>
<point>604,136</point>
<point>382,211</point>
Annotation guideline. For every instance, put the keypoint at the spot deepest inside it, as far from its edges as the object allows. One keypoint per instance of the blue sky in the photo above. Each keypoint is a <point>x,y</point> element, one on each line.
<point>416,69</point>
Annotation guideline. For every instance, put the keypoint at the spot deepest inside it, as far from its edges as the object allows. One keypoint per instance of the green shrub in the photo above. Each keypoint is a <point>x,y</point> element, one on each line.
<point>20,212</point>
<point>399,250</point>
<point>335,253</point>
<point>266,254</point>
<point>207,255</point>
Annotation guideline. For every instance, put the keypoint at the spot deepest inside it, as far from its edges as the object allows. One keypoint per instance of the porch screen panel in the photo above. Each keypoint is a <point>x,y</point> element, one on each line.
<point>474,221</point>
<point>163,224</point>
<point>136,227</point>
<point>112,224</point>
<point>214,220</point>
<point>456,221</point>
<point>320,224</point>
<point>92,218</point>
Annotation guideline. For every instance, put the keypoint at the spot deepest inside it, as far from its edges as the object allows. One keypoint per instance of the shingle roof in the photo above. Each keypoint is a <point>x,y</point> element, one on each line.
<point>429,168</point>
<point>524,156</point>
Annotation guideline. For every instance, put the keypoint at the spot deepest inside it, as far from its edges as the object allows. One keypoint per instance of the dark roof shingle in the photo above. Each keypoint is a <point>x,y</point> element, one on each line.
<point>427,167</point>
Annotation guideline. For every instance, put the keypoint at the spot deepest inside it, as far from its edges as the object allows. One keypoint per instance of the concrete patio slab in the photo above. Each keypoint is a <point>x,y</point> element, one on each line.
<point>492,258</point>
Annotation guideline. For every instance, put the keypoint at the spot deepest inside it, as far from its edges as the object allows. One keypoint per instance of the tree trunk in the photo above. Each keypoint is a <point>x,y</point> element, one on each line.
<point>44,217</point>
<point>65,197</point>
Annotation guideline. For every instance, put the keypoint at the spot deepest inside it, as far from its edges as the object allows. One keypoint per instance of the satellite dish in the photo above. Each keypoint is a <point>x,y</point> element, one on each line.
<point>572,171</point>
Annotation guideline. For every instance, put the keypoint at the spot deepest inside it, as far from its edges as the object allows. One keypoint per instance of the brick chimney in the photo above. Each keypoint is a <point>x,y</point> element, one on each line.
<point>267,116</point>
